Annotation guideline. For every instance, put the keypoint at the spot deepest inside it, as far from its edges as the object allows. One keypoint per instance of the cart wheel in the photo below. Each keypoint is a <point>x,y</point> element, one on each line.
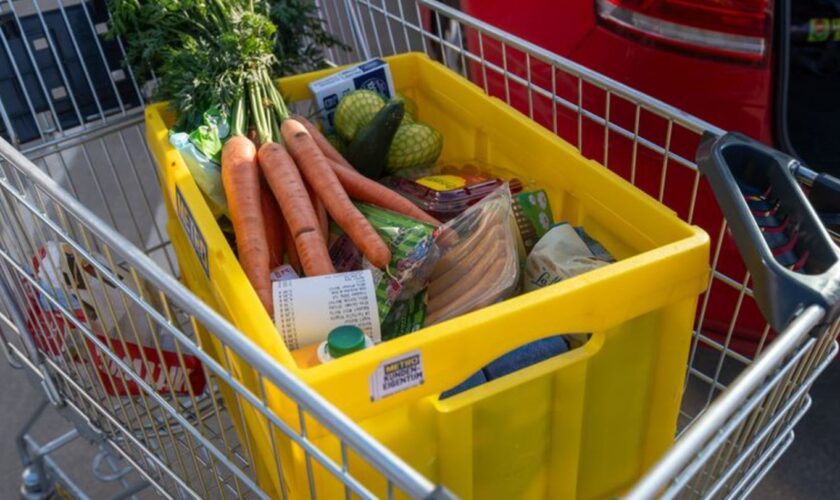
<point>34,484</point>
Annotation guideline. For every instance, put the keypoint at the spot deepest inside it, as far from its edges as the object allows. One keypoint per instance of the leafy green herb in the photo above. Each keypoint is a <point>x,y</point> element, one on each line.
<point>220,53</point>
<point>301,37</point>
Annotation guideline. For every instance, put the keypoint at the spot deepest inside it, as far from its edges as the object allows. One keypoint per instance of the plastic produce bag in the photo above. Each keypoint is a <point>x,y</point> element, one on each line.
<point>406,316</point>
<point>413,254</point>
<point>207,138</point>
<point>201,150</point>
<point>117,322</point>
<point>561,254</point>
<point>481,255</point>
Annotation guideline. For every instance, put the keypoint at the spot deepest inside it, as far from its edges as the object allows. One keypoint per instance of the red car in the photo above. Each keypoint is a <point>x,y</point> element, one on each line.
<point>767,68</point>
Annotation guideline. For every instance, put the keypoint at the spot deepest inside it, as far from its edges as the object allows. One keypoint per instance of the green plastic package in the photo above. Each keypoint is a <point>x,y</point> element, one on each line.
<point>413,255</point>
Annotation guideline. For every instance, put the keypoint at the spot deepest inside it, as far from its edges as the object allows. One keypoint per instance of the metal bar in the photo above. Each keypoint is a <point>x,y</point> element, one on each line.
<point>55,444</point>
<point>77,137</point>
<point>34,62</point>
<point>584,113</point>
<point>530,86</point>
<point>418,27</point>
<point>553,99</point>
<point>409,480</point>
<point>7,123</point>
<point>105,349</point>
<point>102,57</point>
<point>131,76</point>
<point>388,29</point>
<point>803,174</point>
<point>729,332</point>
<point>83,62</point>
<point>440,39</point>
<point>129,436</point>
<point>664,175</point>
<point>726,405</point>
<point>691,122</point>
<point>54,469</point>
<point>376,37</point>
<point>29,104</point>
<point>703,307</point>
<point>273,438</point>
<point>744,491</point>
<point>359,33</point>
<point>58,63</point>
<point>607,130</point>
<point>402,21</point>
<point>361,42</point>
<point>4,342</point>
<point>17,318</point>
<point>308,458</point>
<point>636,140</point>
<point>775,423</point>
<point>140,186</point>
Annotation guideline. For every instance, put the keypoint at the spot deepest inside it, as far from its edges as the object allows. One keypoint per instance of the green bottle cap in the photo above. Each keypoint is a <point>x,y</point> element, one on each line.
<point>344,340</point>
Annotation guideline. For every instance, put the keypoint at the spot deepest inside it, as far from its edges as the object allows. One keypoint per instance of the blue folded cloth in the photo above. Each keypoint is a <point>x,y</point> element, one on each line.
<point>594,246</point>
<point>525,356</point>
<point>475,379</point>
<point>515,360</point>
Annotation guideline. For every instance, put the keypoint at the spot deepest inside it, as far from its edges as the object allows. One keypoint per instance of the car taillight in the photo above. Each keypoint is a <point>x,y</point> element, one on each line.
<point>731,28</point>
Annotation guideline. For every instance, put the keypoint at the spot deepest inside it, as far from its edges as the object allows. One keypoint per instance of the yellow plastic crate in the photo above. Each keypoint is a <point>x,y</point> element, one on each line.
<point>584,424</point>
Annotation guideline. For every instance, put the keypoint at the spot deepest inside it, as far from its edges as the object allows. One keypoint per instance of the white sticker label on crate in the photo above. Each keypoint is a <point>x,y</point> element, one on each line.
<point>396,375</point>
<point>307,309</point>
<point>191,229</point>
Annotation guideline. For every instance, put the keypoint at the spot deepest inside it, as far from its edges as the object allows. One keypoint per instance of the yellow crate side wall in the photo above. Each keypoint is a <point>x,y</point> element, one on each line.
<point>664,266</point>
<point>242,414</point>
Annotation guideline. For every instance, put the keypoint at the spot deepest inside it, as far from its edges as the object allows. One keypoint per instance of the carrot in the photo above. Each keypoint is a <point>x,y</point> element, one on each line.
<point>365,190</point>
<point>272,216</point>
<point>320,211</point>
<point>326,146</point>
<point>317,171</point>
<point>360,187</point>
<point>291,251</point>
<point>286,184</point>
<point>241,182</point>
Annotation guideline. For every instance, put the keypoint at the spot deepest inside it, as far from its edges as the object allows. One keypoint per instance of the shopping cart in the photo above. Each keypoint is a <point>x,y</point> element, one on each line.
<point>78,175</point>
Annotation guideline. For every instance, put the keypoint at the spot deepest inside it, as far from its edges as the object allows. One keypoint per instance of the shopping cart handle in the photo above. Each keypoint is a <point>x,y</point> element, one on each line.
<point>824,194</point>
<point>789,253</point>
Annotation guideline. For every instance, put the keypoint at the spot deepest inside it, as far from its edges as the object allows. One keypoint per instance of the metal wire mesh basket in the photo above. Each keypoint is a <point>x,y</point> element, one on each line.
<point>76,173</point>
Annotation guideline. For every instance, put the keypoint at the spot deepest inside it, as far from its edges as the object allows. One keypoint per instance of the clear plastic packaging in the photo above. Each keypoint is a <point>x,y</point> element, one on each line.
<point>413,255</point>
<point>481,258</point>
<point>206,172</point>
<point>445,191</point>
<point>561,254</point>
<point>201,150</point>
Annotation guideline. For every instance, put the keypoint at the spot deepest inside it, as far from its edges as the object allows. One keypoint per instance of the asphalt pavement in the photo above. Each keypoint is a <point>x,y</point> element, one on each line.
<point>809,470</point>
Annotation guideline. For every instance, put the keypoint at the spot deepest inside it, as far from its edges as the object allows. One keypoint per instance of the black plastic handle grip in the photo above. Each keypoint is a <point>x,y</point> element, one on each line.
<point>825,194</point>
<point>764,205</point>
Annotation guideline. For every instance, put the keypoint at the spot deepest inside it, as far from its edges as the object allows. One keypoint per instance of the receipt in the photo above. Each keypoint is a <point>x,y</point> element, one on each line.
<point>307,309</point>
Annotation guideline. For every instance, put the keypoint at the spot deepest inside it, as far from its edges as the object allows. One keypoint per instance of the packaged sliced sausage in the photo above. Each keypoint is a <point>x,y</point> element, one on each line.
<point>481,258</point>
